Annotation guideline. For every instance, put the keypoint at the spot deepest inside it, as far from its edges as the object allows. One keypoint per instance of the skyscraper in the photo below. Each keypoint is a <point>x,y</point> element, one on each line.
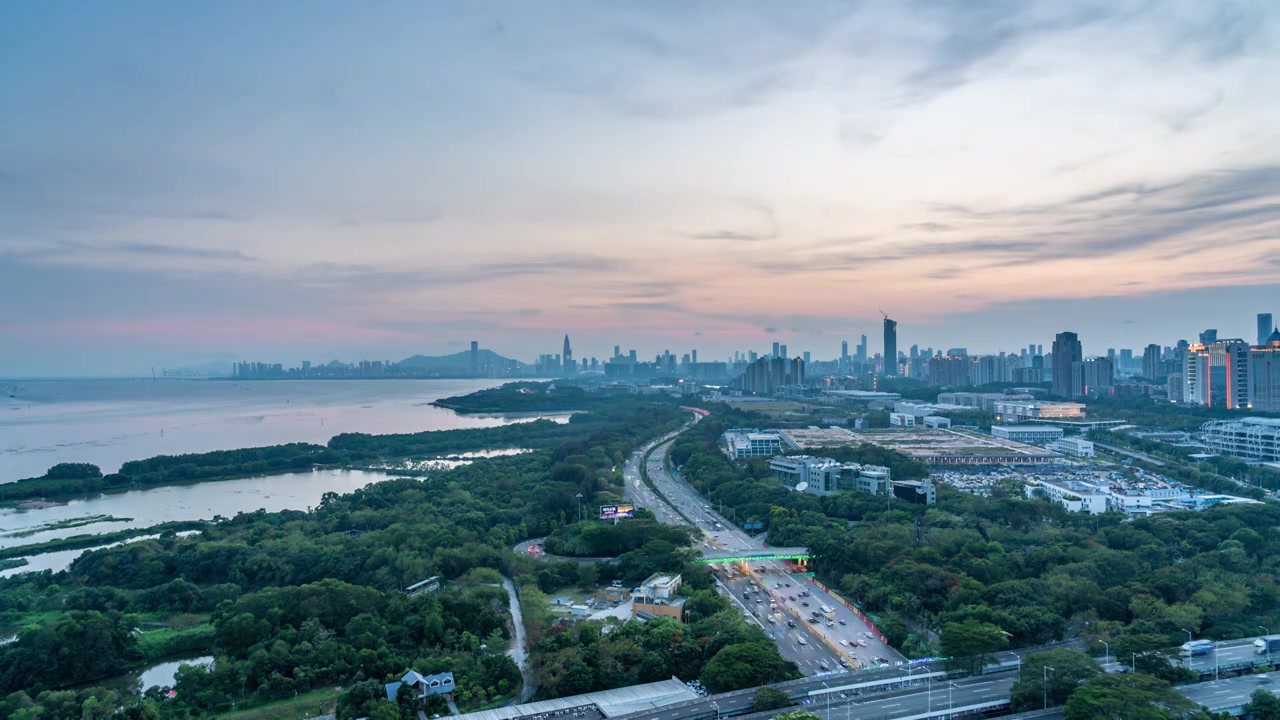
<point>1264,328</point>
<point>475,358</point>
<point>890,346</point>
<point>567,358</point>
<point>782,349</point>
<point>1264,374</point>
<point>1218,374</point>
<point>806,357</point>
<point>775,350</point>
<point>1066,352</point>
<point>1152,368</point>
<point>844,350</point>
<point>862,349</point>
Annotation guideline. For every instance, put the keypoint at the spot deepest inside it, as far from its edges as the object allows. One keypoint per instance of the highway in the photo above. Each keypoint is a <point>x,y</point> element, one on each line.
<point>844,635</point>
<point>811,655</point>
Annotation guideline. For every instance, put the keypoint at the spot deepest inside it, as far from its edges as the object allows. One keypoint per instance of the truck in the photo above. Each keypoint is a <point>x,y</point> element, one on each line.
<point>1266,645</point>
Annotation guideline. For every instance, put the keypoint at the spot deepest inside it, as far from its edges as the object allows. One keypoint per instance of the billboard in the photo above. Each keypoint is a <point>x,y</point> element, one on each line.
<point>613,512</point>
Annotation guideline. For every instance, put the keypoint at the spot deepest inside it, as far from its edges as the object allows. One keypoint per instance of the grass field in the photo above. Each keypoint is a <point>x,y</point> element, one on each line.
<point>309,705</point>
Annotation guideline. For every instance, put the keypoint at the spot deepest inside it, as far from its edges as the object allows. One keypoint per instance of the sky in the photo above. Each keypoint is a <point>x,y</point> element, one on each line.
<point>191,182</point>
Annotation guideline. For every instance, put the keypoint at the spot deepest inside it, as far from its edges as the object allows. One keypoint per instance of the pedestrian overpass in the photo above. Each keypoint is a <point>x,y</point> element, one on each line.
<point>797,555</point>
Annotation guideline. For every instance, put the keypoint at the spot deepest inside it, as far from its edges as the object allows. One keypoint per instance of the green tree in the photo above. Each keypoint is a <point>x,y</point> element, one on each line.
<point>746,665</point>
<point>1067,670</point>
<point>1132,696</point>
<point>969,644</point>
<point>1263,705</point>
<point>769,698</point>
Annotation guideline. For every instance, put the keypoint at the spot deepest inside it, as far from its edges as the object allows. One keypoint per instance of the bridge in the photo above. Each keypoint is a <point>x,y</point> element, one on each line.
<point>713,557</point>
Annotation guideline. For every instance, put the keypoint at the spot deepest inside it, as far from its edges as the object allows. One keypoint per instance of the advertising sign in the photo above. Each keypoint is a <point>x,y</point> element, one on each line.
<point>613,512</point>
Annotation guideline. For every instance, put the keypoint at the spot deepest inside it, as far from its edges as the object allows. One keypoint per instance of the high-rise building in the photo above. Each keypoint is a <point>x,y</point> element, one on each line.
<point>617,350</point>
<point>806,357</point>
<point>1067,351</point>
<point>844,351</point>
<point>569,367</point>
<point>1152,368</point>
<point>695,357</point>
<point>475,358</point>
<point>1126,360</point>
<point>1217,374</point>
<point>1264,374</point>
<point>782,349</point>
<point>1264,328</point>
<point>862,349</point>
<point>890,346</point>
<point>776,348</point>
<point>1092,377</point>
<point>950,371</point>
<point>1209,337</point>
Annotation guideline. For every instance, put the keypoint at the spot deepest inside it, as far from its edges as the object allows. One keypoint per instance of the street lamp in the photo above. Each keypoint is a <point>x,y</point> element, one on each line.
<point>1106,656</point>
<point>717,707</point>
<point>1044,684</point>
<point>1190,637</point>
<point>579,507</point>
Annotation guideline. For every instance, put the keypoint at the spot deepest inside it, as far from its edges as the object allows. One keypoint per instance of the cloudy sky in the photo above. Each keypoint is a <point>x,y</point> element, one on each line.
<point>185,182</point>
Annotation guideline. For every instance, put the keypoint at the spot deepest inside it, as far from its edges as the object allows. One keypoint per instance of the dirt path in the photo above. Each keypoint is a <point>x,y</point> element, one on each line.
<point>518,651</point>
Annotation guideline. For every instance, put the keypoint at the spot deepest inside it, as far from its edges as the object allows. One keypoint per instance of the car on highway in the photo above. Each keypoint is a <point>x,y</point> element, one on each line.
<point>804,604</point>
<point>813,621</point>
<point>791,623</point>
<point>823,667</point>
<point>802,641</point>
<point>843,622</point>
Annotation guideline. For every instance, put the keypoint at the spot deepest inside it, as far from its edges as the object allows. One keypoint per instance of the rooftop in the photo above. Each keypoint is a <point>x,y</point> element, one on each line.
<point>611,703</point>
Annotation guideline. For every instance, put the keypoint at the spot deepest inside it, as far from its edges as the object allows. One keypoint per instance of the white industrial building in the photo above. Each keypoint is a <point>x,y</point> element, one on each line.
<point>1031,434</point>
<point>936,421</point>
<point>902,420</point>
<point>1075,447</point>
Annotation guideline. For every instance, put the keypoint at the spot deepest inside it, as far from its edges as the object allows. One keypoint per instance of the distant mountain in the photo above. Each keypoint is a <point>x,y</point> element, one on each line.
<point>460,362</point>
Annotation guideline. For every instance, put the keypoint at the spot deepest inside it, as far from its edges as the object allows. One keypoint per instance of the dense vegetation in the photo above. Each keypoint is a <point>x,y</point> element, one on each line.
<point>604,539</point>
<point>293,601</point>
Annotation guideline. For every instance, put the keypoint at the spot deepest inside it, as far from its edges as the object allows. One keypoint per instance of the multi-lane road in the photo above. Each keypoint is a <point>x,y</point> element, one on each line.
<point>826,642</point>
<point>810,655</point>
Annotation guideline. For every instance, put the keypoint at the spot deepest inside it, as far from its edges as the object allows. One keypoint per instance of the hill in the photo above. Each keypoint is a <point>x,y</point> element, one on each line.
<point>460,362</point>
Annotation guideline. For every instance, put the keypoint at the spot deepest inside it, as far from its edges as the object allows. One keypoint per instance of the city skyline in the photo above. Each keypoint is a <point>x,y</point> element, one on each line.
<point>718,176</point>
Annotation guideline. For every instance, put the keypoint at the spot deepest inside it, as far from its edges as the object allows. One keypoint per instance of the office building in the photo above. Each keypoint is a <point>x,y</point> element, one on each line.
<point>1217,374</point>
<point>1092,378</point>
<point>746,443</point>
<point>823,476</point>
<point>862,349</point>
<point>1209,337</point>
<point>1019,411</point>
<point>776,350</point>
<point>1152,367</point>
<point>844,352</point>
<point>1066,352</point>
<point>569,367</point>
<point>890,346</point>
<point>1264,327</point>
<point>1264,374</point>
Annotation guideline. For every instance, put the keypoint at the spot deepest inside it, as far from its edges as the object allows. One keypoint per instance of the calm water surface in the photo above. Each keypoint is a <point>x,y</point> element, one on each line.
<point>108,422</point>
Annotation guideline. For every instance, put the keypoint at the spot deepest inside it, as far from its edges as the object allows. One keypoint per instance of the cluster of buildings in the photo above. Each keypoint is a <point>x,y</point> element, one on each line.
<point>659,596</point>
<point>823,476</point>
<point>1117,492</point>
<point>1229,373</point>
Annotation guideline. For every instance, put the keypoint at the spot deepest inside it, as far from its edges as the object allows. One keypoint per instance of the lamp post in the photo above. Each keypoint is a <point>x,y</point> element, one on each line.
<point>579,496</point>
<point>717,707</point>
<point>1266,642</point>
<point>1106,656</point>
<point>1044,684</point>
<point>950,686</point>
<point>1190,637</point>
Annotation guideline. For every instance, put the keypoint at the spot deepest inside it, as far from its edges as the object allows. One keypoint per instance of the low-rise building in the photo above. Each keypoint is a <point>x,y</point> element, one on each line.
<point>936,421</point>
<point>1074,495</point>
<point>1252,438</point>
<point>1073,446</point>
<point>1035,434</point>
<point>656,597</point>
<point>1019,411</point>
<point>823,476</point>
<point>902,419</point>
<point>749,443</point>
